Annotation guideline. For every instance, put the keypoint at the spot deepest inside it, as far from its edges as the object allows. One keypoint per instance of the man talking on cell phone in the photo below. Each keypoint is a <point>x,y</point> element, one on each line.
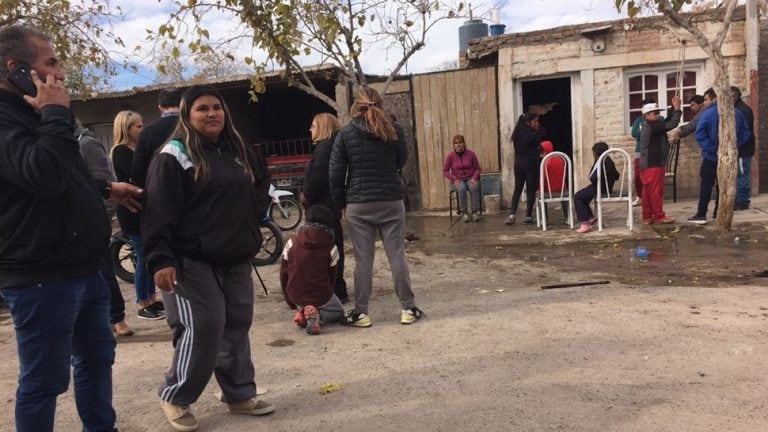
<point>53,231</point>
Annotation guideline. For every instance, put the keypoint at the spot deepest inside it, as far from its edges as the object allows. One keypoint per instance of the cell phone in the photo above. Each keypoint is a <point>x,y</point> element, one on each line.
<point>21,78</point>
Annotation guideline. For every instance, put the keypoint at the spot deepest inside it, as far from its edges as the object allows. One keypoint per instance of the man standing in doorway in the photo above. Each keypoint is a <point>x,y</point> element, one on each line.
<point>53,233</point>
<point>746,151</point>
<point>155,134</point>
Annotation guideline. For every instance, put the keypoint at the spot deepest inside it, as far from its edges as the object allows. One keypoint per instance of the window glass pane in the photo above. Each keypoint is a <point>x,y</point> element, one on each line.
<point>636,84</point>
<point>672,80</point>
<point>652,95</point>
<point>670,93</point>
<point>632,116</point>
<point>635,101</point>
<point>689,79</point>
<point>651,82</point>
<point>688,94</point>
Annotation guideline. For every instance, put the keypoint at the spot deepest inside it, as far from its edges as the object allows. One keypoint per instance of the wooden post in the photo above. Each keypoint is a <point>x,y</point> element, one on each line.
<point>752,42</point>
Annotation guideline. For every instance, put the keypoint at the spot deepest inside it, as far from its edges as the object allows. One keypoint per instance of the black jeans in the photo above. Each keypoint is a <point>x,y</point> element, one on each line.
<point>341,285</point>
<point>116,301</point>
<point>708,174</point>
<point>527,176</point>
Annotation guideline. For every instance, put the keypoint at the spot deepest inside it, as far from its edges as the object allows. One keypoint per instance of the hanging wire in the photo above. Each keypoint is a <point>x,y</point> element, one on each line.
<point>681,68</point>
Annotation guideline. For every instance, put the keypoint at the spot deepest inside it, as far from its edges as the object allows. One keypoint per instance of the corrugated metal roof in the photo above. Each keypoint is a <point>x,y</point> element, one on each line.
<point>326,71</point>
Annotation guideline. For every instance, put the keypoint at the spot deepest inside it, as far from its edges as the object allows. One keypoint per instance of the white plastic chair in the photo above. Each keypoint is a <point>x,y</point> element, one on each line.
<point>545,194</point>
<point>623,187</point>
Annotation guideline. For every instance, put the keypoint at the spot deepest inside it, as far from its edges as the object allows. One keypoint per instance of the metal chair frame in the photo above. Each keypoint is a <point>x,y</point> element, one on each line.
<point>453,195</point>
<point>670,168</point>
<point>565,193</point>
<point>624,185</point>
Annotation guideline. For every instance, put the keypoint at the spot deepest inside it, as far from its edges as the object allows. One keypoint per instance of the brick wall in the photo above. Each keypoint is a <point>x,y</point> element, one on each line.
<point>642,47</point>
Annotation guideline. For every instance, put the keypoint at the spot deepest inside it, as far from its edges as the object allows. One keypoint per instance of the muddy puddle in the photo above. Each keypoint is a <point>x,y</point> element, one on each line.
<point>680,255</point>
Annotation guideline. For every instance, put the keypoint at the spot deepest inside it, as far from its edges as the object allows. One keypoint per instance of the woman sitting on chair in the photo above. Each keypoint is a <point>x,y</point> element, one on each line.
<point>583,197</point>
<point>463,170</point>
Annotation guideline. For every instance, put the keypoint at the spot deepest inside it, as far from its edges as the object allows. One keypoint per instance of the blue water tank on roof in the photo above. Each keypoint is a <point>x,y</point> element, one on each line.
<point>471,29</point>
<point>497,29</point>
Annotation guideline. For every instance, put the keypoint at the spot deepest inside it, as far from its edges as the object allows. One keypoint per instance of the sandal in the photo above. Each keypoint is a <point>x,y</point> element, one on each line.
<point>122,329</point>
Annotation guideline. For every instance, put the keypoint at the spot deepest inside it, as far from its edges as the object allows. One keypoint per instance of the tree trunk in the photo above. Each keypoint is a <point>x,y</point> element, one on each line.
<point>727,152</point>
<point>318,94</point>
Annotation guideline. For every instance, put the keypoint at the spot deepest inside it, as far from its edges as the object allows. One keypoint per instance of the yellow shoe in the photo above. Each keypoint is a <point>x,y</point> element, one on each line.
<point>355,319</point>
<point>179,416</point>
<point>410,316</point>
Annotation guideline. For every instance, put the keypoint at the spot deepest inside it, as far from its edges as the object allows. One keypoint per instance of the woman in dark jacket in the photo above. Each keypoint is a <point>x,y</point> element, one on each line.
<point>206,193</point>
<point>526,139</point>
<point>583,197</point>
<point>317,189</point>
<point>126,129</point>
<point>366,157</point>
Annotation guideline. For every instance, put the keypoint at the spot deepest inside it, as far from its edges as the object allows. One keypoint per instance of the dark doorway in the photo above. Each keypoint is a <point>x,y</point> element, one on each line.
<point>552,96</point>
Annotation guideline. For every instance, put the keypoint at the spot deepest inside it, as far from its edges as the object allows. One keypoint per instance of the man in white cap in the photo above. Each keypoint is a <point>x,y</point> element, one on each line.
<point>653,156</point>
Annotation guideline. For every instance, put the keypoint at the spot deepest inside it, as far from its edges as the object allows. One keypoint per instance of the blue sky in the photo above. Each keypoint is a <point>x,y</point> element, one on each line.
<point>442,45</point>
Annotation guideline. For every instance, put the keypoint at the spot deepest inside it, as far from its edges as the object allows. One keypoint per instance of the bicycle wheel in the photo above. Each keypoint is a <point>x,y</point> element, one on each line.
<point>287,215</point>
<point>272,247</point>
<point>123,260</point>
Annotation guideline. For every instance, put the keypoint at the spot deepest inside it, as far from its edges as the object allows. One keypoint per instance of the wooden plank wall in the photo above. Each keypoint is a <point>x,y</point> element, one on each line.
<point>449,103</point>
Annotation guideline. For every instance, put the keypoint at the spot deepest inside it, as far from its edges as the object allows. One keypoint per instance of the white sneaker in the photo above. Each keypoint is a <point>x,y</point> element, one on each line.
<point>637,202</point>
<point>510,220</point>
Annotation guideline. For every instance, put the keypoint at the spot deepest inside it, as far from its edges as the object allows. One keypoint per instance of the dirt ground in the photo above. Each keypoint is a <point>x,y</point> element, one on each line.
<point>676,342</point>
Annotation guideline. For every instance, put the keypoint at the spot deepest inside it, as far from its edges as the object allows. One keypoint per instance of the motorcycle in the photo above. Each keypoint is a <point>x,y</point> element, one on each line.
<point>272,246</point>
<point>124,260</point>
<point>284,210</point>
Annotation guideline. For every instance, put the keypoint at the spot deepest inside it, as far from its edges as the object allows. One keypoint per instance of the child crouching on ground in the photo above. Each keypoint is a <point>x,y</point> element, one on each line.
<point>308,272</point>
<point>583,197</point>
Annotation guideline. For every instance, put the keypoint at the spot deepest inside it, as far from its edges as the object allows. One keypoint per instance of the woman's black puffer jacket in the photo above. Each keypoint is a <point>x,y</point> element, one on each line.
<point>364,168</point>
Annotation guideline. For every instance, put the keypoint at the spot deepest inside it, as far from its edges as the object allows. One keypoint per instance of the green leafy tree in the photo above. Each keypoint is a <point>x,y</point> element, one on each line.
<point>288,32</point>
<point>79,29</point>
<point>712,46</point>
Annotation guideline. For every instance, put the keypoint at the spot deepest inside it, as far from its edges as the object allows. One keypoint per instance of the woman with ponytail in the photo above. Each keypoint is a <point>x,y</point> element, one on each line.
<point>365,184</point>
<point>526,140</point>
